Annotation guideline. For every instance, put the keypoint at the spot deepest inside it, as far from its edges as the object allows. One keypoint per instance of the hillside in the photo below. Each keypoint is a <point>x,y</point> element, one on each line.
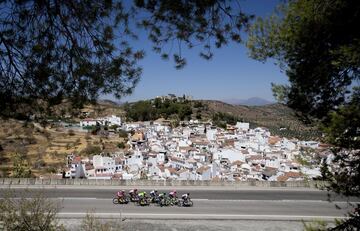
<point>280,119</point>
<point>44,146</point>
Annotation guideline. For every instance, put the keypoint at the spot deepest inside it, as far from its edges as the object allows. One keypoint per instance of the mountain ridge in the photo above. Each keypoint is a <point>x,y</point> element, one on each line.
<point>252,101</point>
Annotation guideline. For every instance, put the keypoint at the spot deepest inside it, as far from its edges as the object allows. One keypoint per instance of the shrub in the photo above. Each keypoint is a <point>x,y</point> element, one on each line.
<point>37,213</point>
<point>71,132</point>
<point>90,149</point>
<point>87,136</point>
<point>121,145</point>
<point>90,223</point>
<point>39,163</point>
<point>123,134</point>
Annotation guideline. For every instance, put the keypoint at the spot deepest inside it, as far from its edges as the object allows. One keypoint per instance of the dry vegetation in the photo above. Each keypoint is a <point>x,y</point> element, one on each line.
<point>45,148</point>
<point>273,116</point>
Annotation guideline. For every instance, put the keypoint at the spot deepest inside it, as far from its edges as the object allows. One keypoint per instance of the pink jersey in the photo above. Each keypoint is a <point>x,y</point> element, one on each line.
<point>173,194</point>
<point>120,194</point>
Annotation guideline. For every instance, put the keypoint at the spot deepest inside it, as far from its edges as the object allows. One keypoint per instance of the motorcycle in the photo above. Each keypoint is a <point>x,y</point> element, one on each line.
<point>123,200</point>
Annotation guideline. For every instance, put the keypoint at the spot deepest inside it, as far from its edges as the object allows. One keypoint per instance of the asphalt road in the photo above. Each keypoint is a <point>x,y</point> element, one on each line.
<point>210,203</point>
<point>207,209</point>
<point>210,194</point>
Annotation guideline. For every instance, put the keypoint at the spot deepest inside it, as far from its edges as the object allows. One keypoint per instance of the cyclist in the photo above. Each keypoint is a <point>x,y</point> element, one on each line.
<point>142,195</point>
<point>154,196</point>
<point>162,199</point>
<point>162,196</point>
<point>172,194</point>
<point>121,194</point>
<point>154,193</point>
<point>133,193</point>
<point>142,198</point>
<point>185,196</point>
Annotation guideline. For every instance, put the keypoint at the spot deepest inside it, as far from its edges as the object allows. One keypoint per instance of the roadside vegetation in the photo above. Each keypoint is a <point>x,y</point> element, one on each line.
<point>38,213</point>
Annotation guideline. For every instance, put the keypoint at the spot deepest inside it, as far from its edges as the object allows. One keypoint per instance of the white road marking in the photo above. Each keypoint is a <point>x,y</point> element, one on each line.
<point>201,216</point>
<point>79,198</point>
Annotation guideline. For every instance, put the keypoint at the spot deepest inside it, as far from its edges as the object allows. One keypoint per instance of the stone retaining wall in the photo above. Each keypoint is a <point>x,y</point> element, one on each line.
<point>83,182</point>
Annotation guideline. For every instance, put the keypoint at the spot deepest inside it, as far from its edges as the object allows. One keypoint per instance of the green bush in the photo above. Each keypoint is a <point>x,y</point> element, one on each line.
<point>121,145</point>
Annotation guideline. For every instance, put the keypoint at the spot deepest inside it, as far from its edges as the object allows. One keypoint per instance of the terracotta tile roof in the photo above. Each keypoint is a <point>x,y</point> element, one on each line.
<point>181,171</point>
<point>76,160</point>
<point>161,167</point>
<point>89,167</point>
<point>176,159</point>
<point>202,169</point>
<point>171,170</point>
<point>254,157</point>
<point>288,175</point>
<point>273,140</point>
<point>191,161</point>
<point>118,160</point>
<point>216,179</point>
<point>237,162</point>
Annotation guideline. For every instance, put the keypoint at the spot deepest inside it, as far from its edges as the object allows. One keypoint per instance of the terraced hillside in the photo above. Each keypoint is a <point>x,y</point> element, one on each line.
<point>44,147</point>
<point>280,119</point>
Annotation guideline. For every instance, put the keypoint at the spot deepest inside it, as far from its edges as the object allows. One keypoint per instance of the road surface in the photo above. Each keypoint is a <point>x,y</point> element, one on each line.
<point>209,203</point>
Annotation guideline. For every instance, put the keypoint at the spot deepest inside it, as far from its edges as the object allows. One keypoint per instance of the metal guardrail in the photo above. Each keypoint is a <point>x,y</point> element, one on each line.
<point>102,182</point>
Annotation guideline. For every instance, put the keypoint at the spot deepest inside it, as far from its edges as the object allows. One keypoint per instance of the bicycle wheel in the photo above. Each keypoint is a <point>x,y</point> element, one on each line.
<point>115,201</point>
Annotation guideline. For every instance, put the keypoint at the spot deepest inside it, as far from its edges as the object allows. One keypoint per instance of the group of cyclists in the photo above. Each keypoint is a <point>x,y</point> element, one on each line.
<point>162,199</point>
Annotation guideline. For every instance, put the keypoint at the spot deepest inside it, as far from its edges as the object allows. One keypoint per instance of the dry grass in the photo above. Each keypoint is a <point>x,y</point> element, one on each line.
<point>47,147</point>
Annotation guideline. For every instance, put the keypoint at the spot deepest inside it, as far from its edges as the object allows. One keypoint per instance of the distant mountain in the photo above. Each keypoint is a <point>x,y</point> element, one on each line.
<point>108,102</point>
<point>253,101</point>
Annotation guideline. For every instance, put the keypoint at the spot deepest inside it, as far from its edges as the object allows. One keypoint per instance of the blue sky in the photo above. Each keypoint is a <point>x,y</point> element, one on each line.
<point>231,74</point>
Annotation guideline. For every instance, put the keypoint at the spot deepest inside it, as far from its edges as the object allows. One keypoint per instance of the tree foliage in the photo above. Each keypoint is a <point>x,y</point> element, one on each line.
<point>78,50</point>
<point>208,23</point>
<point>222,119</point>
<point>55,49</point>
<point>317,45</point>
<point>23,214</point>
<point>21,167</point>
<point>152,110</point>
